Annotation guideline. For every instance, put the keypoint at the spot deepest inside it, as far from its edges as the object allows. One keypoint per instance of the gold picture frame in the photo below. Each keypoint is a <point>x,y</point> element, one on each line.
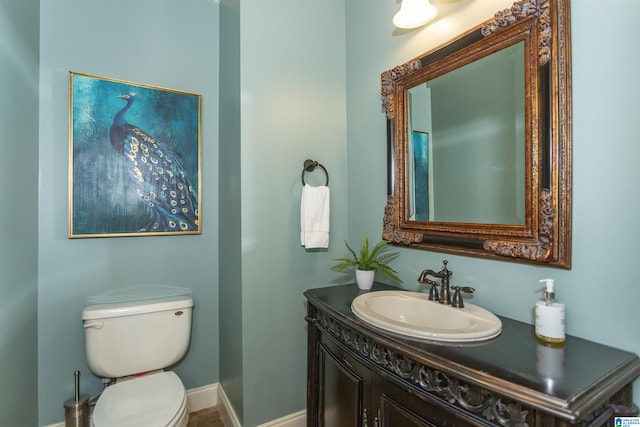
<point>134,167</point>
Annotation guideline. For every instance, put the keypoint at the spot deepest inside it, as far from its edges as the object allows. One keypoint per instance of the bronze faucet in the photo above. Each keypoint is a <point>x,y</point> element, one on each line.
<point>445,295</point>
<point>443,275</point>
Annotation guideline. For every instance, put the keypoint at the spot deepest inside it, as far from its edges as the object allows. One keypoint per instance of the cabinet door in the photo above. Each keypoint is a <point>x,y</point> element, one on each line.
<point>341,389</point>
<point>398,406</point>
<point>394,413</point>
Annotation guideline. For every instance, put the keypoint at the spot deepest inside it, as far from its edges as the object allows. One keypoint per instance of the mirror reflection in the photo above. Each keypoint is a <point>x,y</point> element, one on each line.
<point>466,143</point>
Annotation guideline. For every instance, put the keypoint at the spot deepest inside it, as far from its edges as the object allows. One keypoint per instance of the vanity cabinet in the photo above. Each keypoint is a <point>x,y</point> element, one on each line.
<point>350,393</point>
<point>360,376</point>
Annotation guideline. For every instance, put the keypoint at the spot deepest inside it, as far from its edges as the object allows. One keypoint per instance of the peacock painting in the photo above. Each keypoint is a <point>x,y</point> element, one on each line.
<point>135,159</point>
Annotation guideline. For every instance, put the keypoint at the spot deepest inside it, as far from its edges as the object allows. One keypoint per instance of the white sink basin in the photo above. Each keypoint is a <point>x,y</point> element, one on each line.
<point>412,314</point>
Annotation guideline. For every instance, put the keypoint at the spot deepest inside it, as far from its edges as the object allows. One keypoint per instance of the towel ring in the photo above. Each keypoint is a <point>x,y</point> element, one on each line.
<point>309,166</point>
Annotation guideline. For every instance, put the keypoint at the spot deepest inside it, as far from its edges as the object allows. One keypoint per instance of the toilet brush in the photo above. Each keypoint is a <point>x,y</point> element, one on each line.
<point>76,409</point>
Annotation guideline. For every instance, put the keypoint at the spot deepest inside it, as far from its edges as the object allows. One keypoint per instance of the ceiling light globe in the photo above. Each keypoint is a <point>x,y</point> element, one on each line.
<point>414,13</point>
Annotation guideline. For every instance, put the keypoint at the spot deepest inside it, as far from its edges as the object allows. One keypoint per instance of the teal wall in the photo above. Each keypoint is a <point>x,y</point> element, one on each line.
<point>19,34</point>
<point>293,108</point>
<point>286,92</point>
<point>163,43</point>
<point>230,228</point>
<point>602,289</point>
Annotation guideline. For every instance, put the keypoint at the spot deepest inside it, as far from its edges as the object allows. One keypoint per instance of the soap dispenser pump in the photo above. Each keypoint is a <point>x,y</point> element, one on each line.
<point>550,316</point>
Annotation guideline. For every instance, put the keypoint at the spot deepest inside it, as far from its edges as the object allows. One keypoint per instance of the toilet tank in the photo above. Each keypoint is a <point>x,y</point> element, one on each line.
<point>139,336</point>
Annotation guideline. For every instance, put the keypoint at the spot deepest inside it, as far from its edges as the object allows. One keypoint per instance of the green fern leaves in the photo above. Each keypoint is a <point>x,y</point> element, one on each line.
<point>375,260</point>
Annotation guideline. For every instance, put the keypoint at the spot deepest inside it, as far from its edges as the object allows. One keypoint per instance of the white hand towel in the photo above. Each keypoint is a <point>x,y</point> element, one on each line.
<point>314,217</point>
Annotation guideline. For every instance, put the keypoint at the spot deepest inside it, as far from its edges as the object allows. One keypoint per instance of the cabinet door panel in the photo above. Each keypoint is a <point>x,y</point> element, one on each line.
<point>394,414</point>
<point>341,391</point>
<point>400,407</point>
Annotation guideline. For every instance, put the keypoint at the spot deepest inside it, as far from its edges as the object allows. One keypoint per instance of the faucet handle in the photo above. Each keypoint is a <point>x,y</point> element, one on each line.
<point>457,301</point>
<point>433,292</point>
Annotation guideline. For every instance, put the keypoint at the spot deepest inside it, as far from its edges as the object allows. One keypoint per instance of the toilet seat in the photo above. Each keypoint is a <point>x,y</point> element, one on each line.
<point>152,400</point>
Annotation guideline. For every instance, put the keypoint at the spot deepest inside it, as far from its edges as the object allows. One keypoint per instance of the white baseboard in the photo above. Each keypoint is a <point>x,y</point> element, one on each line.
<point>298,419</point>
<point>230,419</point>
<point>213,395</point>
<point>227,414</point>
<point>203,397</point>
<point>55,425</point>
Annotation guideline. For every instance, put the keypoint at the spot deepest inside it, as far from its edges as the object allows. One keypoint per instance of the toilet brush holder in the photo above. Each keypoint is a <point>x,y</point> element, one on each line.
<point>76,408</point>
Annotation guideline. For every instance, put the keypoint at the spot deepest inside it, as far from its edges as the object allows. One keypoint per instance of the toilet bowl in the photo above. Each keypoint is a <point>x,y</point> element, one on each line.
<point>157,399</point>
<point>125,339</point>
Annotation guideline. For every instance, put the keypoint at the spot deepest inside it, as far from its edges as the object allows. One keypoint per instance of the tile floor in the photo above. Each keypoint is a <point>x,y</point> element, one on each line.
<point>209,417</point>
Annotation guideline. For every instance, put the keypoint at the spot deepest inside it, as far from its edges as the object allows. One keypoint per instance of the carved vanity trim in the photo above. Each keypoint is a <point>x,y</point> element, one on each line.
<point>490,406</point>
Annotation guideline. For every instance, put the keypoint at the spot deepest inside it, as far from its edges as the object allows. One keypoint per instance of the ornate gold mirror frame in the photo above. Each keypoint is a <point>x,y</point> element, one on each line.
<point>545,235</point>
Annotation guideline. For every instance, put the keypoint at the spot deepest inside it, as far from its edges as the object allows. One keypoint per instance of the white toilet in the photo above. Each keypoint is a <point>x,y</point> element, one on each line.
<point>133,342</point>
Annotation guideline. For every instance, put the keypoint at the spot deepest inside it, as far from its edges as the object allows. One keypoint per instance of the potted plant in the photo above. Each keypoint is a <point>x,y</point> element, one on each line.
<point>368,262</point>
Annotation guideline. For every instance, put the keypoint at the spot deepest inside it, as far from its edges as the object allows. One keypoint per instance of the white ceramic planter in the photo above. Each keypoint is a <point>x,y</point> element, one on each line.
<point>364,279</point>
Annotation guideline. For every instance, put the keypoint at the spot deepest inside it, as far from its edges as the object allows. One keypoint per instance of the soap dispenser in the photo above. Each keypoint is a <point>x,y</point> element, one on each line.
<point>550,316</point>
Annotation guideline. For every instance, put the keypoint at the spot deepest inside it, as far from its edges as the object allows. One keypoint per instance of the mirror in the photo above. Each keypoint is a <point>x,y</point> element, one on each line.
<point>476,132</point>
<point>479,139</point>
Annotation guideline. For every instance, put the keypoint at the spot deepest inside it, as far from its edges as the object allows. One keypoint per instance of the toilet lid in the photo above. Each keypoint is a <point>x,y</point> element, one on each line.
<point>151,400</point>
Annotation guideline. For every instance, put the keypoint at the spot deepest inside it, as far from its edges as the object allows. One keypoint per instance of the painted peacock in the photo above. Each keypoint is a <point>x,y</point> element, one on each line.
<point>157,174</point>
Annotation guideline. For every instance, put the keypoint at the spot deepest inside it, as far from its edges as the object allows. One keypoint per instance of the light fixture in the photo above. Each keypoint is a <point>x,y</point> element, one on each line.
<point>414,13</point>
